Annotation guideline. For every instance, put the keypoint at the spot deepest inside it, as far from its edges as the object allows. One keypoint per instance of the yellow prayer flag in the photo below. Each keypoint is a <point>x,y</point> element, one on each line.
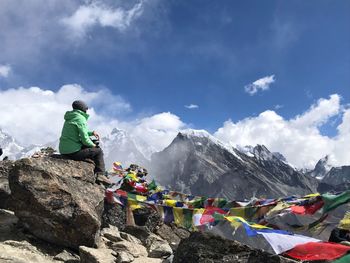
<point>178,216</point>
<point>345,222</point>
<point>133,204</point>
<point>169,202</point>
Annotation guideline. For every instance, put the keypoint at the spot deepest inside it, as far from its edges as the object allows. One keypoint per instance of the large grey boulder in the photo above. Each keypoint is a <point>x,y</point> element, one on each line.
<point>206,247</point>
<point>5,192</point>
<point>57,201</point>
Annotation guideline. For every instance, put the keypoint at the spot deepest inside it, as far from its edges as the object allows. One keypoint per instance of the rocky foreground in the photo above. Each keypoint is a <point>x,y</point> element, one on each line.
<point>51,210</point>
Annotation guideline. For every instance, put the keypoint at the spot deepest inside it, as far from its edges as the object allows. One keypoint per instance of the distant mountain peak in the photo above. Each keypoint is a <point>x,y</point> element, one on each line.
<point>322,168</point>
<point>198,163</point>
<point>199,135</point>
<point>9,145</point>
<point>262,153</point>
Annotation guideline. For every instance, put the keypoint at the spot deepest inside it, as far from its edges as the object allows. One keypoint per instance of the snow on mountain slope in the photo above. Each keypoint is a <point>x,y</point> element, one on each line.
<point>200,164</point>
<point>321,169</point>
<point>9,145</point>
<point>119,146</point>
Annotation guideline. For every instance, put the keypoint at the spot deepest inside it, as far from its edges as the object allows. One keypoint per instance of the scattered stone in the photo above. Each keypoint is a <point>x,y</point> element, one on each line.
<point>140,232</point>
<point>114,215</point>
<point>134,249</point>
<point>16,255</point>
<point>172,234</point>
<point>67,257</point>
<point>92,255</point>
<point>157,247</point>
<point>206,247</point>
<point>130,238</point>
<point>112,233</point>
<point>147,260</point>
<point>56,200</point>
<point>125,257</point>
<point>147,217</point>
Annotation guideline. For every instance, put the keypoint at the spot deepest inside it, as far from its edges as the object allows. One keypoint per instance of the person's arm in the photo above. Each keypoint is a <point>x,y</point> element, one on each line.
<point>84,135</point>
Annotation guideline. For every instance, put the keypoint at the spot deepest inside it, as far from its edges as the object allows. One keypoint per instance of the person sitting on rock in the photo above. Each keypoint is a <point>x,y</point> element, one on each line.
<point>75,142</point>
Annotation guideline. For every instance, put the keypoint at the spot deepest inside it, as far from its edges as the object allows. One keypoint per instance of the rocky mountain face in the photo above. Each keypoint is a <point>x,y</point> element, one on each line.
<point>198,163</point>
<point>321,169</point>
<point>330,178</point>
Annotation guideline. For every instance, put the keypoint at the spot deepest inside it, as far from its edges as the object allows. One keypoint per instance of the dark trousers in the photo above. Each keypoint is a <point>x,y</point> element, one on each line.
<point>95,153</point>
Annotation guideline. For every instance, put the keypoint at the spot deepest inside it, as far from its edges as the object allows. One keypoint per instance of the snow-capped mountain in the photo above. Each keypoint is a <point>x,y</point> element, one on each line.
<point>9,145</point>
<point>197,162</point>
<point>321,168</point>
<point>119,146</point>
<point>330,178</point>
<point>261,153</point>
<point>337,176</point>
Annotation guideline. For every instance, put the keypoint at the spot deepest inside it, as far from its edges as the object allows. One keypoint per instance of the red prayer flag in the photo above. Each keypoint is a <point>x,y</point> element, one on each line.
<point>307,209</point>
<point>318,251</point>
<point>207,216</point>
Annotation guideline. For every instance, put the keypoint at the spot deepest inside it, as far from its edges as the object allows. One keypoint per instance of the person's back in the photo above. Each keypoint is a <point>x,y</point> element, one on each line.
<point>75,142</point>
<point>74,134</point>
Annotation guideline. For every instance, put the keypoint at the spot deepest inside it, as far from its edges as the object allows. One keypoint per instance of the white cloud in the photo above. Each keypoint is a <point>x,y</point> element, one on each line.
<point>4,70</point>
<point>260,84</point>
<point>88,16</point>
<point>192,106</point>
<point>157,131</point>
<point>299,139</point>
<point>278,106</point>
<point>35,116</point>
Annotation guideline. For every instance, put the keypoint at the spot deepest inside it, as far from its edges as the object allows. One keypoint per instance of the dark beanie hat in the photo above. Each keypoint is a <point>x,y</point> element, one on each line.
<point>80,105</point>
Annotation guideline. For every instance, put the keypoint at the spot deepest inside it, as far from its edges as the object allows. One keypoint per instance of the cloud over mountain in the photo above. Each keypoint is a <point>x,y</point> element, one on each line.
<point>299,138</point>
<point>35,116</point>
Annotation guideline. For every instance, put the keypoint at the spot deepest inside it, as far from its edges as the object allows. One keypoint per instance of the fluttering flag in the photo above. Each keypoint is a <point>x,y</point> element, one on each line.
<point>168,214</point>
<point>282,242</point>
<point>318,251</point>
<point>178,216</point>
<point>345,222</point>
<point>308,209</point>
<point>333,201</point>
<point>344,259</point>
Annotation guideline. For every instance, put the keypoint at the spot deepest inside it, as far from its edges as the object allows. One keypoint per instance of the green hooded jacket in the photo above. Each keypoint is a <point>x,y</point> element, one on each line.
<point>75,133</point>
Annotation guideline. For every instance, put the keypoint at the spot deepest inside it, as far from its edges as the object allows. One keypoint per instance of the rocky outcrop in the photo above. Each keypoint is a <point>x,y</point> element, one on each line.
<point>206,247</point>
<point>156,246</point>
<point>5,192</point>
<point>337,176</point>
<point>19,246</point>
<point>57,201</point>
<point>172,234</point>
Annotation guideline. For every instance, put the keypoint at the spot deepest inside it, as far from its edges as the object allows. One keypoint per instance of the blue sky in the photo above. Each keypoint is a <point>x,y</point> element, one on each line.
<point>168,54</point>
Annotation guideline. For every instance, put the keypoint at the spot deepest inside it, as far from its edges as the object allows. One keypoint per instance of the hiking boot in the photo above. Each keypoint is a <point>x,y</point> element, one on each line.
<point>102,179</point>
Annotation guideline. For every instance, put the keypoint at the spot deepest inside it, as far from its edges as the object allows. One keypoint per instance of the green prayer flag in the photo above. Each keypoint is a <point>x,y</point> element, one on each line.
<point>333,201</point>
<point>152,185</point>
<point>345,259</point>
